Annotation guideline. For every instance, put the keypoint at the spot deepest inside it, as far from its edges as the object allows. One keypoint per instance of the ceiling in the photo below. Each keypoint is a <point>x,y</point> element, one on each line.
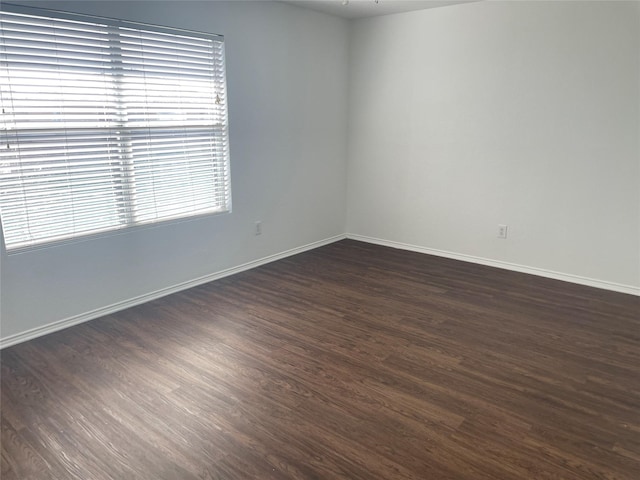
<point>369,8</point>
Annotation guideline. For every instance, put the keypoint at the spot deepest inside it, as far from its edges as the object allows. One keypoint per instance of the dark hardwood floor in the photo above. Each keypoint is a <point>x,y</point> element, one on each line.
<point>351,361</point>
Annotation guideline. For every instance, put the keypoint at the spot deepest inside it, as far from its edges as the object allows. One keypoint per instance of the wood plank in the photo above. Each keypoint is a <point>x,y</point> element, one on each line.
<point>349,361</point>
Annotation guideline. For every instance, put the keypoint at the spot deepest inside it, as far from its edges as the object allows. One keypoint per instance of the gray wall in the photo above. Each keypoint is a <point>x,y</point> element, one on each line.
<point>287,83</point>
<point>518,113</point>
<point>439,124</point>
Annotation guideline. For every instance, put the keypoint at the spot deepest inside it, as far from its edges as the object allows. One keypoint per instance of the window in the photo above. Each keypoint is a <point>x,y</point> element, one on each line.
<point>106,125</point>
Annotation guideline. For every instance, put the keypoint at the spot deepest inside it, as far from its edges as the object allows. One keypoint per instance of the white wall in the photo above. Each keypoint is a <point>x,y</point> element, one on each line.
<point>460,118</point>
<point>287,83</point>
<point>519,113</point>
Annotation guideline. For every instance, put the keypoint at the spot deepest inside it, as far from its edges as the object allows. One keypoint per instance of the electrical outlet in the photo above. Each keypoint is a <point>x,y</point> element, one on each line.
<point>502,231</point>
<point>258,230</point>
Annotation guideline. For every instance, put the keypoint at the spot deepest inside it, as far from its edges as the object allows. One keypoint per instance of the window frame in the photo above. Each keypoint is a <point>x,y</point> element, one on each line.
<point>217,161</point>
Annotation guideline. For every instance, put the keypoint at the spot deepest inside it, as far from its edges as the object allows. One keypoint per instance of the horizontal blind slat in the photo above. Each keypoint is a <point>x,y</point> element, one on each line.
<point>107,126</point>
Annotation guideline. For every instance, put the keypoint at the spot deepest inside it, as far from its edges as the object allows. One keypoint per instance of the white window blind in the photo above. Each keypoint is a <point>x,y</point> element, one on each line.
<point>107,125</point>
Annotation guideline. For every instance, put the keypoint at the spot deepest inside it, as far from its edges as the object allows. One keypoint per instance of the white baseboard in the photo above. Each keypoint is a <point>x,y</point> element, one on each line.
<point>99,312</point>
<point>566,277</point>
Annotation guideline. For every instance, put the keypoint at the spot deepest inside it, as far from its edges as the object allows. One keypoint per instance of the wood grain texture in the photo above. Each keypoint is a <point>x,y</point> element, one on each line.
<point>351,361</point>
